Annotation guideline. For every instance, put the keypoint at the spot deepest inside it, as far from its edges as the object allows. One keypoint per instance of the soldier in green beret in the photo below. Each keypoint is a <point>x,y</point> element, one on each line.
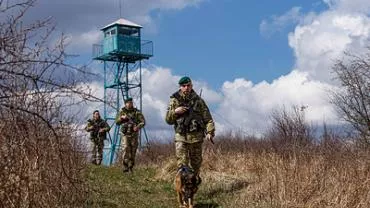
<point>190,116</point>
<point>131,121</point>
<point>98,129</point>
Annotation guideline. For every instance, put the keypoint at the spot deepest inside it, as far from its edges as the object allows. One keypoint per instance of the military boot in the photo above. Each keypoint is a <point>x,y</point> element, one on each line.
<point>98,162</point>
<point>125,169</point>
<point>198,180</point>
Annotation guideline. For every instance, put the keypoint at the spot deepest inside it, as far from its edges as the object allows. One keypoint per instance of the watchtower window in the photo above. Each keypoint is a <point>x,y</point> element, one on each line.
<point>128,31</point>
<point>110,32</point>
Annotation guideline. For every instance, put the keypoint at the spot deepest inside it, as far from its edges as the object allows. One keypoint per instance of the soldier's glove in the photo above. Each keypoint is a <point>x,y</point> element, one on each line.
<point>209,137</point>
<point>124,118</point>
<point>180,110</point>
<point>135,128</point>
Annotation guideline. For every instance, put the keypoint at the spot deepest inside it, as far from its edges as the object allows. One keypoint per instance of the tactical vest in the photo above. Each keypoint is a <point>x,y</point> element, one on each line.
<point>191,120</point>
<point>97,124</point>
<point>128,126</point>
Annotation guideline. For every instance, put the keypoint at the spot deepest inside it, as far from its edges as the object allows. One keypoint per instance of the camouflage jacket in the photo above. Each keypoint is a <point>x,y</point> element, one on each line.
<point>135,118</point>
<point>193,124</point>
<point>97,126</point>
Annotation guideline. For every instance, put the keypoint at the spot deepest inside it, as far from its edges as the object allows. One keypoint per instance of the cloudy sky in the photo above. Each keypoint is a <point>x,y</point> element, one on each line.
<point>248,57</point>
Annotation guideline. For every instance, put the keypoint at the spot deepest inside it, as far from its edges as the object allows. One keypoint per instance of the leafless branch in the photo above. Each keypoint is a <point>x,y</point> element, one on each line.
<point>353,100</point>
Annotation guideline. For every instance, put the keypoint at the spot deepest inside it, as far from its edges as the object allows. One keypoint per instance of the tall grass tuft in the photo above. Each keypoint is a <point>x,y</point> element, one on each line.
<point>251,172</point>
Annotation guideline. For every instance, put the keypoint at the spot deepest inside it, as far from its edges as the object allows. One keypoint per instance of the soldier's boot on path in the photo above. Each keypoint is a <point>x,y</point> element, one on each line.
<point>130,166</point>
<point>98,162</point>
<point>198,180</point>
<point>125,168</point>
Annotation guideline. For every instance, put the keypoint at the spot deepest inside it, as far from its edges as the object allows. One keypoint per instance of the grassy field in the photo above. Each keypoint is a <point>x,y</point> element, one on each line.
<point>111,188</point>
<point>243,173</point>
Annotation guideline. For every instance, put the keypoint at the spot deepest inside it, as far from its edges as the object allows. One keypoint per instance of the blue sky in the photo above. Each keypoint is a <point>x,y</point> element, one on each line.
<point>248,57</point>
<point>221,40</point>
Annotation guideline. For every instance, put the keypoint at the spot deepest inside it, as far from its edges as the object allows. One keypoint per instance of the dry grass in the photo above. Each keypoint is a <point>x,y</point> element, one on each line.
<point>39,168</point>
<point>308,181</point>
<point>259,173</point>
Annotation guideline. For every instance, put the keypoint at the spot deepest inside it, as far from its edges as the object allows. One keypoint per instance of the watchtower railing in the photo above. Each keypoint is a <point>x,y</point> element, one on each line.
<point>123,46</point>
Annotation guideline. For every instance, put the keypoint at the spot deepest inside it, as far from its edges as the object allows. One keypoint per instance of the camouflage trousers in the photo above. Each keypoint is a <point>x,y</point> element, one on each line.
<point>97,150</point>
<point>129,148</point>
<point>189,154</point>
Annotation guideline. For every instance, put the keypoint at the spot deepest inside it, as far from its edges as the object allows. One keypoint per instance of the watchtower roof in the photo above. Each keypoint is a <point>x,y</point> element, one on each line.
<point>122,21</point>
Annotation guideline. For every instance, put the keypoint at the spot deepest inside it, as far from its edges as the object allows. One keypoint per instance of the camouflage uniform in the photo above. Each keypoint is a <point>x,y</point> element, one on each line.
<point>190,128</point>
<point>129,137</point>
<point>97,138</point>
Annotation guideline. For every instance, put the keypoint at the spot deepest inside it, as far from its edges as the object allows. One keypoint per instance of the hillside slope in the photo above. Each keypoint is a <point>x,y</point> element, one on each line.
<point>109,187</point>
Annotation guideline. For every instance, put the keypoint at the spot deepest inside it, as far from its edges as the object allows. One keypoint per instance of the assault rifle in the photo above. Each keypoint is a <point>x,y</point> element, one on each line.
<point>95,130</point>
<point>128,125</point>
<point>94,125</point>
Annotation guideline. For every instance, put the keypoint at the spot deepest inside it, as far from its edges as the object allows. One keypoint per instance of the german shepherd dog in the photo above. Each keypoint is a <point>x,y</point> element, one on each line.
<point>186,186</point>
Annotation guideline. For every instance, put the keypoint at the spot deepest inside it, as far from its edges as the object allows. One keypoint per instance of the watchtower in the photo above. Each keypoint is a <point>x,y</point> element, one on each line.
<point>122,52</point>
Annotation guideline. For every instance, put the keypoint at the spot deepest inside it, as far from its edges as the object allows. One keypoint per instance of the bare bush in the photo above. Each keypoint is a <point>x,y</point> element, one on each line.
<point>289,128</point>
<point>41,162</point>
<point>41,166</point>
<point>155,154</point>
<point>353,100</point>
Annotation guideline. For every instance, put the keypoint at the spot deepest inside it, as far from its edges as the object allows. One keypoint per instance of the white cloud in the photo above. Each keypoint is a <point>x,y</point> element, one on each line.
<point>247,105</point>
<point>82,20</point>
<point>352,6</point>
<point>278,23</point>
<point>317,44</point>
<point>84,41</point>
<point>319,39</point>
<point>84,111</point>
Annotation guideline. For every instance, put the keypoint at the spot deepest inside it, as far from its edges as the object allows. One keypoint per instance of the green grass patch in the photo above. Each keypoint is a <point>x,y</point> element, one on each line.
<point>110,187</point>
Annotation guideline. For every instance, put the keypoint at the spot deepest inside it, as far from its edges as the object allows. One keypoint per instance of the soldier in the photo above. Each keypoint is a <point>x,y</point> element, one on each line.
<point>192,121</point>
<point>98,129</point>
<point>131,121</point>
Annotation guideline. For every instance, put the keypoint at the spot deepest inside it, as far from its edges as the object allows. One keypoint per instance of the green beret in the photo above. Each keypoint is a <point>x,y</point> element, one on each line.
<point>128,99</point>
<point>184,80</point>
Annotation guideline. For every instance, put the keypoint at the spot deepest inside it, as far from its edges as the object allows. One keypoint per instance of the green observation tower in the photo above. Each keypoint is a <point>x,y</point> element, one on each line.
<point>121,53</point>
